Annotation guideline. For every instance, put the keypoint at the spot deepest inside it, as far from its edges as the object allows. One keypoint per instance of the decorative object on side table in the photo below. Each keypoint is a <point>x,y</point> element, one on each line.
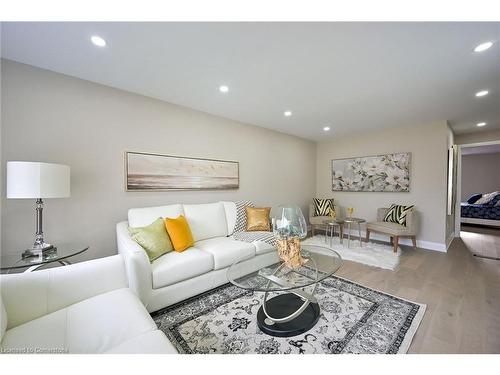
<point>35,180</point>
<point>289,230</point>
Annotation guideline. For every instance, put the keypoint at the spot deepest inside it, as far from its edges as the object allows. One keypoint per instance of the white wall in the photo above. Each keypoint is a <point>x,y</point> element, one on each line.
<point>480,174</point>
<point>476,137</point>
<point>55,118</point>
<point>428,144</point>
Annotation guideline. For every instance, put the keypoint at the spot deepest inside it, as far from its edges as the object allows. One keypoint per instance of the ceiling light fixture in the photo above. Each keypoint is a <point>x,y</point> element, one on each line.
<point>223,89</point>
<point>98,41</point>
<point>326,128</point>
<point>287,113</point>
<point>483,47</point>
<point>481,124</point>
<point>482,93</point>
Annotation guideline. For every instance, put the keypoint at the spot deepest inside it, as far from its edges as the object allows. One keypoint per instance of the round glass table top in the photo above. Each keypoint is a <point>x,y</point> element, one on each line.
<point>321,262</point>
<point>58,253</point>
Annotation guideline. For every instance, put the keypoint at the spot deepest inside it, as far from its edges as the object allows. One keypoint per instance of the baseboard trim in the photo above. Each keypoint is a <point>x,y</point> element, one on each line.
<point>427,245</point>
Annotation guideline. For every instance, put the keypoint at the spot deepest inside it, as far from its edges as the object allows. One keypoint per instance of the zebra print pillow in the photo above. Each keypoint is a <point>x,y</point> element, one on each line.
<point>322,207</point>
<point>397,214</point>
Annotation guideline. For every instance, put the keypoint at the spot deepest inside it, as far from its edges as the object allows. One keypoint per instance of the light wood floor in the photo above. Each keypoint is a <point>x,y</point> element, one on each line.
<point>461,291</point>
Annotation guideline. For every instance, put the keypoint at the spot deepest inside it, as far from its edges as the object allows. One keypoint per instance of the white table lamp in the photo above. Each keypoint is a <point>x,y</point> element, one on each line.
<point>34,180</point>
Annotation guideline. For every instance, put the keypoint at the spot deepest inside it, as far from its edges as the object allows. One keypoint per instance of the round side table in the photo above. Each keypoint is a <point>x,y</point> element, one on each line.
<point>353,220</point>
<point>60,254</point>
<point>330,229</point>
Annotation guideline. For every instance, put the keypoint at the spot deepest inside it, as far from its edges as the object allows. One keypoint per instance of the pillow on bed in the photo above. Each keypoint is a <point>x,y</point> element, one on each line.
<point>474,198</point>
<point>489,199</point>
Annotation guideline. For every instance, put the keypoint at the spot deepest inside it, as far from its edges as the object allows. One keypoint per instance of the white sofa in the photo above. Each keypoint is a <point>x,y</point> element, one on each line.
<point>82,308</point>
<point>176,276</point>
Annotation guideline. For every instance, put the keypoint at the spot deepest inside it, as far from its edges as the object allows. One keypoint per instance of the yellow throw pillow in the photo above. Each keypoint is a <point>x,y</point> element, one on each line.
<point>153,239</point>
<point>258,219</point>
<point>179,232</point>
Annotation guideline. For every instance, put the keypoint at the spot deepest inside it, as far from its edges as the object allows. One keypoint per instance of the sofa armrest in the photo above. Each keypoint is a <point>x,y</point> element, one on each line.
<point>137,264</point>
<point>30,295</point>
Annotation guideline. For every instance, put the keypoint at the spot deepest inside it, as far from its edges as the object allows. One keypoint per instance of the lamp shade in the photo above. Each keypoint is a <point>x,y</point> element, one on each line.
<point>37,180</point>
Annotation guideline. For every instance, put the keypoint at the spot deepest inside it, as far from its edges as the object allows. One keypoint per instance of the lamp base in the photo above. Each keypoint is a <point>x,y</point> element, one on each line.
<point>37,250</point>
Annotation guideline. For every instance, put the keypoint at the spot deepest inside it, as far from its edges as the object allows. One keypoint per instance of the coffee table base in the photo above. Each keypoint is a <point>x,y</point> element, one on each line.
<point>282,306</point>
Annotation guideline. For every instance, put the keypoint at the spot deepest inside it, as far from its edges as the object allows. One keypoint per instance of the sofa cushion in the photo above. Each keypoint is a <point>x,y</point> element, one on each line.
<point>140,217</point>
<point>206,220</point>
<point>154,342</point>
<point>264,242</point>
<point>389,228</point>
<point>225,251</point>
<point>95,325</point>
<point>175,267</point>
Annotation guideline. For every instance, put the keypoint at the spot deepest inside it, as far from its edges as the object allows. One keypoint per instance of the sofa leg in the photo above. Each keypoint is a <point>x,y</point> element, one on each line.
<point>396,242</point>
<point>414,240</point>
<point>367,235</point>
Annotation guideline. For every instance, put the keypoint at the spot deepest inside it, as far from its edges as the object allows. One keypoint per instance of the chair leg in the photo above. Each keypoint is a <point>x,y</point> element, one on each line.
<point>396,242</point>
<point>367,235</point>
<point>414,240</point>
<point>312,230</point>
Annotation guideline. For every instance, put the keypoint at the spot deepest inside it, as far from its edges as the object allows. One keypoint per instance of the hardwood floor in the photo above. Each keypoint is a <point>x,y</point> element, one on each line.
<point>461,291</point>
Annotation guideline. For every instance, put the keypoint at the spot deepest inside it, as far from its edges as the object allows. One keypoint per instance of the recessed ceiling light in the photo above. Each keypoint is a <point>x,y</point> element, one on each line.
<point>98,41</point>
<point>482,93</point>
<point>223,89</point>
<point>326,128</point>
<point>483,47</point>
<point>481,124</point>
<point>287,113</point>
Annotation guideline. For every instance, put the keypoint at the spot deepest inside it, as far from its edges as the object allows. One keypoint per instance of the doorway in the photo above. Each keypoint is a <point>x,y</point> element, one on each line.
<point>477,166</point>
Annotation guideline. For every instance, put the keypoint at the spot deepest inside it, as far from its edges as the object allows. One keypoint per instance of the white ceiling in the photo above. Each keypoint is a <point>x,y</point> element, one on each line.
<point>349,76</point>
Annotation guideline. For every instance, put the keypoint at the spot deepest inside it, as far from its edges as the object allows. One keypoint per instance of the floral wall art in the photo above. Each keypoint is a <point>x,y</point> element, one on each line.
<point>389,172</point>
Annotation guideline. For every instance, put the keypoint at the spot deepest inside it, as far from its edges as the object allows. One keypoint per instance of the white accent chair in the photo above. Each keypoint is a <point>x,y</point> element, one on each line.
<point>81,308</point>
<point>176,276</point>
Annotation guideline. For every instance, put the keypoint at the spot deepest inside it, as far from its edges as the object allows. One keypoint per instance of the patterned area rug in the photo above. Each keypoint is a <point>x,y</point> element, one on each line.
<point>371,253</point>
<point>354,319</point>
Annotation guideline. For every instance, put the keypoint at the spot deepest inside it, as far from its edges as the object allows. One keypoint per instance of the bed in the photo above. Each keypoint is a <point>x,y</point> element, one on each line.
<point>482,213</point>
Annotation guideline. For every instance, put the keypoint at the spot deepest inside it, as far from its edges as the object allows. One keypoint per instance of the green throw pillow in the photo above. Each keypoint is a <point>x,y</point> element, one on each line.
<point>153,238</point>
<point>397,214</point>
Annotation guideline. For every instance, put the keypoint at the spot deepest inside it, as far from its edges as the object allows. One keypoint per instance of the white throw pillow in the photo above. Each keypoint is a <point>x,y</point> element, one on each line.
<point>141,217</point>
<point>206,220</point>
<point>3,318</point>
<point>486,198</point>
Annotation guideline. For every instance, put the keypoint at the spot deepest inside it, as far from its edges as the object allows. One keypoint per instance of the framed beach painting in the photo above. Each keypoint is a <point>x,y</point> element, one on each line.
<point>390,173</point>
<point>156,172</point>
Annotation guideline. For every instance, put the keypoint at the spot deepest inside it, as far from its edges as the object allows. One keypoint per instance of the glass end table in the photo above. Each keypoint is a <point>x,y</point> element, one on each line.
<point>353,220</point>
<point>293,308</point>
<point>59,253</point>
<point>330,229</point>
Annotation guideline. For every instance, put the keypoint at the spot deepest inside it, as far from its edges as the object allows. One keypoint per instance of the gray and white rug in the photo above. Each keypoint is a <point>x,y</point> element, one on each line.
<point>354,319</point>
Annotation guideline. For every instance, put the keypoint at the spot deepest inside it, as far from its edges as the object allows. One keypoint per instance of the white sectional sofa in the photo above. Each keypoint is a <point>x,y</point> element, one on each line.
<point>82,308</point>
<point>176,276</point>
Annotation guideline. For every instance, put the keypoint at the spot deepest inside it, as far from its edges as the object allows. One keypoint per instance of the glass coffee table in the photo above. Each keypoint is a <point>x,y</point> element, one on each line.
<point>289,307</point>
